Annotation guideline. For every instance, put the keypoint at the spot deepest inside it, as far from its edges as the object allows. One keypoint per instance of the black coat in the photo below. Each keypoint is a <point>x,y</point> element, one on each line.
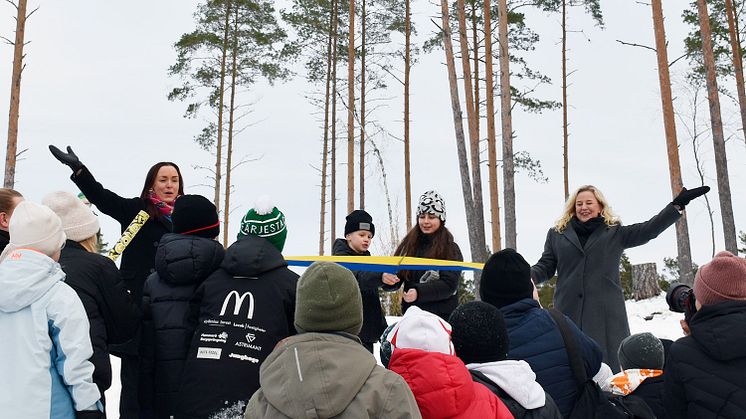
<point>113,316</point>
<point>374,323</point>
<point>182,263</point>
<point>548,411</point>
<point>588,286</point>
<point>243,310</point>
<point>438,296</point>
<point>651,391</point>
<point>706,371</point>
<point>138,258</point>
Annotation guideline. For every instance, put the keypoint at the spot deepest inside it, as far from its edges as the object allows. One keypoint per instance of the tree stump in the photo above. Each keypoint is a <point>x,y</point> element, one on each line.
<point>645,281</point>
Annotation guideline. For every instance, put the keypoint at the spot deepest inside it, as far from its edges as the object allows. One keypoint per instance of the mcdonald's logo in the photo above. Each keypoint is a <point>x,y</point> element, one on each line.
<point>239,303</point>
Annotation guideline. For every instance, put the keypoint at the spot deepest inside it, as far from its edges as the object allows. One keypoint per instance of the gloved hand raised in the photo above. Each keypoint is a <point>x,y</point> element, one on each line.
<point>686,195</point>
<point>68,158</point>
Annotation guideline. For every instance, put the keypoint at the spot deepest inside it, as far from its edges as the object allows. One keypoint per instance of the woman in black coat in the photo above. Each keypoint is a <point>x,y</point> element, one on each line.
<point>434,291</point>
<point>163,183</point>
<point>584,248</point>
<point>112,314</point>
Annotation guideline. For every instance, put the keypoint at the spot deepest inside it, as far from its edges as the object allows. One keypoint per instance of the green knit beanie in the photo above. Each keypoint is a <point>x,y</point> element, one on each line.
<point>266,221</point>
<point>328,300</point>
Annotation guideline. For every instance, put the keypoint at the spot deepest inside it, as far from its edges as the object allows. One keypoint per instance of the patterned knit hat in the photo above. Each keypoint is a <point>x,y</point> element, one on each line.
<point>432,203</point>
<point>78,220</point>
<point>723,279</point>
<point>266,221</point>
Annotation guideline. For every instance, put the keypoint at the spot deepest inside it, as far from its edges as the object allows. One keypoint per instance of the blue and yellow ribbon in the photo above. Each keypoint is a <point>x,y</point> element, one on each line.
<point>388,264</point>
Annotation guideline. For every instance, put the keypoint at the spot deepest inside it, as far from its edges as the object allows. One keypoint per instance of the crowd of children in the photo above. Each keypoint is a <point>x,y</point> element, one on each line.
<point>209,332</point>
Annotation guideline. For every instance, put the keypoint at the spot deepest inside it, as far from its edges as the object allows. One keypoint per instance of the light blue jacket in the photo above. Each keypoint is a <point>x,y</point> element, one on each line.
<point>45,342</point>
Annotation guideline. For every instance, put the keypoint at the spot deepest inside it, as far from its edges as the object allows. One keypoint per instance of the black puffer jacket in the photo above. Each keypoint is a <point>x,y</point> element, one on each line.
<point>374,323</point>
<point>243,310</point>
<point>705,371</point>
<point>437,296</point>
<point>182,263</point>
<point>113,316</point>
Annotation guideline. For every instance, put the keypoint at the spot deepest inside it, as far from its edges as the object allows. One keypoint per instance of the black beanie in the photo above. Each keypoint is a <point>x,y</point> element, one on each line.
<point>195,215</point>
<point>506,278</point>
<point>479,333</point>
<point>641,351</point>
<point>359,220</point>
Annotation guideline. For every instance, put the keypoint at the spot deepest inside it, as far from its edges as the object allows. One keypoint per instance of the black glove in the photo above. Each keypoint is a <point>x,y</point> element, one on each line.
<point>686,195</point>
<point>68,158</point>
<point>89,414</point>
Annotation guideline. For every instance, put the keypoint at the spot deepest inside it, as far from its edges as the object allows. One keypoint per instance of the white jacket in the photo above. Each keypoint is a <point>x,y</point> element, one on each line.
<point>46,344</point>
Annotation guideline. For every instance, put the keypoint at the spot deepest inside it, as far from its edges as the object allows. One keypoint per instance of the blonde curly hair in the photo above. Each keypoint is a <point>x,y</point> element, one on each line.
<point>610,218</point>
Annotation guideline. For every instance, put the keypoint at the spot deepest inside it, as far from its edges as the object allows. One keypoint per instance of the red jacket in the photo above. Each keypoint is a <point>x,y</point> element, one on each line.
<point>444,388</point>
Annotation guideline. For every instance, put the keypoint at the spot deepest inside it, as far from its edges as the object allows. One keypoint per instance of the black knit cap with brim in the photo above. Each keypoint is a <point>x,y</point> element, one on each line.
<point>479,333</point>
<point>506,279</point>
<point>195,215</point>
<point>359,220</point>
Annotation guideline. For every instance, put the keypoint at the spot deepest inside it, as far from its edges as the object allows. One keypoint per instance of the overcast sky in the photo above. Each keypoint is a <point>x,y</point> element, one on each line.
<point>96,79</point>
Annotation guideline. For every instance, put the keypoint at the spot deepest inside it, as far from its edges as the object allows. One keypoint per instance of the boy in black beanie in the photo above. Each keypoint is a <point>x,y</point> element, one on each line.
<point>481,341</point>
<point>359,231</point>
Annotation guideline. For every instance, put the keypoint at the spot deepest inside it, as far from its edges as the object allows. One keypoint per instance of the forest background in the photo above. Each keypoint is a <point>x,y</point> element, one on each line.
<point>97,79</point>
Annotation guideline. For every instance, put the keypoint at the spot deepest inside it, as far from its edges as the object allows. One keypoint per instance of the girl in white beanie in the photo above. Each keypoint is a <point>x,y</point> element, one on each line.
<point>46,372</point>
<point>113,316</point>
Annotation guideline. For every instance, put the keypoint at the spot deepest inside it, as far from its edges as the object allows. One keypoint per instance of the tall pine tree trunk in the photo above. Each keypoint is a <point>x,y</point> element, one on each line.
<point>735,46</point>
<point>476,226</point>
<point>669,125</point>
<point>15,96</point>
<point>221,108</point>
<point>351,112</point>
<point>407,68</point>
<point>325,149</point>
<point>231,121</point>
<point>565,135</point>
<point>491,135</point>
<point>718,139</point>
<point>362,106</point>
<point>507,127</point>
<point>333,215</point>
<point>475,47</point>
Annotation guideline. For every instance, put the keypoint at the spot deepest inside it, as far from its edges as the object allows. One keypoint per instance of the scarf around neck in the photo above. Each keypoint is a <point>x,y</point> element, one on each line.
<point>585,229</point>
<point>164,208</point>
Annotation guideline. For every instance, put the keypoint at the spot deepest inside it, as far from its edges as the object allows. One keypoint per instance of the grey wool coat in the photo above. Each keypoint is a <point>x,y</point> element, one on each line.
<point>588,287</point>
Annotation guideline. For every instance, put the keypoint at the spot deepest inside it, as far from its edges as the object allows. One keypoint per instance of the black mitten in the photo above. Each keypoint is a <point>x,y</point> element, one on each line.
<point>68,158</point>
<point>686,195</point>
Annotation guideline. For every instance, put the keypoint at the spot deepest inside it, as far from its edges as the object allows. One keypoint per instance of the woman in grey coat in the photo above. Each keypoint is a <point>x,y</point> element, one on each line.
<point>584,248</point>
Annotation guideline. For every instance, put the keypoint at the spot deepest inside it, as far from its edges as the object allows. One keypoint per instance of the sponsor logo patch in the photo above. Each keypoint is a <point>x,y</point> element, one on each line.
<point>209,353</point>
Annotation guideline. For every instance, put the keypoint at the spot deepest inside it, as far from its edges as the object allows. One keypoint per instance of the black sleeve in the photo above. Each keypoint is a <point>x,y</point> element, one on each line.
<point>641,233</point>
<point>368,281</point>
<point>108,202</point>
<point>146,390</point>
<point>290,306</point>
<point>442,288</point>
<point>547,264</point>
<point>120,313</point>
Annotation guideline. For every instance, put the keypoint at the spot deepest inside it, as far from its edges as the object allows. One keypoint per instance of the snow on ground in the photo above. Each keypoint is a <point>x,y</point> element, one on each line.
<point>664,324</point>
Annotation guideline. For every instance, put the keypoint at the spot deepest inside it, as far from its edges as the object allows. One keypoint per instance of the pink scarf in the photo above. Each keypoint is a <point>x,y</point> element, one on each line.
<point>164,208</point>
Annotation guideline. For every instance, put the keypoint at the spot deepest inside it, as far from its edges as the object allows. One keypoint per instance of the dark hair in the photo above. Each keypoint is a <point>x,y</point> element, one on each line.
<point>7,196</point>
<point>150,180</point>
<point>440,247</point>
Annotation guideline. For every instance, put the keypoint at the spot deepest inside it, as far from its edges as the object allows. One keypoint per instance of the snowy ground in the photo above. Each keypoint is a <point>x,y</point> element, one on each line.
<point>664,324</point>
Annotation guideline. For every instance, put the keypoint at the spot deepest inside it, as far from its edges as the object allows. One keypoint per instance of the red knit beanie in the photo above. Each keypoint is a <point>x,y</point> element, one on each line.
<point>723,279</point>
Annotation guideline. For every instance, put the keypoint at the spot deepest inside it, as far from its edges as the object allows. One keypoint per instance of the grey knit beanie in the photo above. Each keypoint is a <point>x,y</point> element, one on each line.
<point>328,300</point>
<point>78,220</point>
<point>641,351</point>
